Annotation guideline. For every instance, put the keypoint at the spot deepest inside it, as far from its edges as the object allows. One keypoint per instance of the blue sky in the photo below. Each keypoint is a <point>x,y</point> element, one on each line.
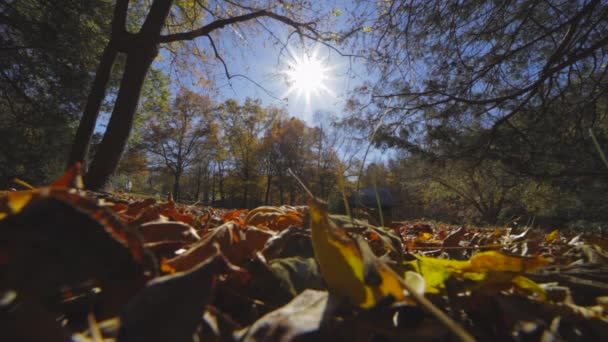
<point>262,61</point>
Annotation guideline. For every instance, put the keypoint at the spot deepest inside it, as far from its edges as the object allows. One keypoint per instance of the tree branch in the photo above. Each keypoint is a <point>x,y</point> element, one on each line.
<point>221,23</point>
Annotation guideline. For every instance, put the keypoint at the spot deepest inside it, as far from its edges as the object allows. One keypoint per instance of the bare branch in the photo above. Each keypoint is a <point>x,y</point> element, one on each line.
<point>221,23</point>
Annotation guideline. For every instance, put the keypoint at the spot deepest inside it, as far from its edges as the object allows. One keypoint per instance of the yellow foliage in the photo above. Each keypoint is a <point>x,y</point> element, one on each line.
<point>554,235</point>
<point>350,269</point>
<point>486,269</point>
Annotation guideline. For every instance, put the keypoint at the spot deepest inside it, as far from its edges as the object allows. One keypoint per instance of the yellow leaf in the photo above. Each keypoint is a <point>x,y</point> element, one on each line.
<point>17,200</point>
<point>425,236</point>
<point>527,284</point>
<point>350,269</point>
<point>496,261</point>
<point>554,235</point>
<point>436,271</point>
<point>368,29</point>
<point>486,269</point>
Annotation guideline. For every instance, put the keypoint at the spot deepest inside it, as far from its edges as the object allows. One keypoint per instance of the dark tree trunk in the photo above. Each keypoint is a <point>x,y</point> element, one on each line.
<point>245,193</point>
<point>177,176</point>
<point>82,140</point>
<point>281,192</point>
<point>142,48</point>
<point>213,176</point>
<point>198,182</point>
<point>206,185</point>
<point>267,197</point>
<point>220,181</point>
<point>119,127</point>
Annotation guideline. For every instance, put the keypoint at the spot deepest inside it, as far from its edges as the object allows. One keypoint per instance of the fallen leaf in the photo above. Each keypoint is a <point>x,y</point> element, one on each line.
<point>303,316</point>
<point>171,231</point>
<point>170,308</point>
<point>236,243</point>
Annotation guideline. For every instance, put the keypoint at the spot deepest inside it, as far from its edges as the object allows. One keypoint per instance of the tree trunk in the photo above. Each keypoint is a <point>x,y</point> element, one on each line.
<point>245,192</point>
<point>82,140</point>
<point>119,127</point>
<point>198,182</point>
<point>142,49</point>
<point>268,182</point>
<point>221,182</point>
<point>213,176</point>
<point>281,192</point>
<point>177,175</point>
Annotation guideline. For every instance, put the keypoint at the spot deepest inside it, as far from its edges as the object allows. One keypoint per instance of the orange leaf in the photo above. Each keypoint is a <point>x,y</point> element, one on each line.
<point>234,215</point>
<point>72,178</point>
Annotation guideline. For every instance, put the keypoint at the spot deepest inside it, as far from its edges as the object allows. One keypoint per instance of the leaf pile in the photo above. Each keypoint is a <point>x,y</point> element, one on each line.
<point>76,265</point>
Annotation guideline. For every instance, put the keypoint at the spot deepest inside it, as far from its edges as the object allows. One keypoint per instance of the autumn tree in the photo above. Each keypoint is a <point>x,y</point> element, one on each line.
<point>290,146</point>
<point>242,127</point>
<point>48,53</point>
<point>457,80</point>
<point>327,139</point>
<point>175,137</point>
<point>188,21</point>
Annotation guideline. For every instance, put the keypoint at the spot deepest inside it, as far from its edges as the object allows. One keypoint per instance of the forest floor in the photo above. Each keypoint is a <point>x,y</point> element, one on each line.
<point>78,265</point>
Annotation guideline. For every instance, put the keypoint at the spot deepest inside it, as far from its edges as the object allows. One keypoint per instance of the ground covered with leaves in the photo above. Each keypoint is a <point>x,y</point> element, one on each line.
<point>77,265</point>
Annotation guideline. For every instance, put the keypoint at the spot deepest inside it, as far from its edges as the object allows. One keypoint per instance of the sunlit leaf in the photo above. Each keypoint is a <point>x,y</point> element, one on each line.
<point>493,266</point>
<point>349,267</point>
<point>553,236</point>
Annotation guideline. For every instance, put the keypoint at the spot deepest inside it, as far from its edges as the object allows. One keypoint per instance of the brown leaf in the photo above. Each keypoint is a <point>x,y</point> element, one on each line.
<point>64,240</point>
<point>172,231</point>
<point>164,249</point>
<point>136,208</point>
<point>273,218</point>
<point>22,319</point>
<point>236,244</point>
<point>170,308</point>
<point>454,238</point>
<point>301,317</point>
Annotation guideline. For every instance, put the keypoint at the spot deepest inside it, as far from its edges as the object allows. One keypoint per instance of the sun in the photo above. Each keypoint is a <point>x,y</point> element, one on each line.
<point>307,76</point>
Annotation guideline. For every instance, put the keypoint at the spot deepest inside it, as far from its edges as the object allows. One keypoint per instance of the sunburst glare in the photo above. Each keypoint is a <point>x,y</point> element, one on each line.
<point>307,76</point>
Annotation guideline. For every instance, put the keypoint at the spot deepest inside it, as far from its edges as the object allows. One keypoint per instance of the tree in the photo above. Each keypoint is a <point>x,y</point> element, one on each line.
<point>448,69</point>
<point>49,51</point>
<point>176,137</point>
<point>242,128</point>
<point>141,49</point>
<point>290,146</point>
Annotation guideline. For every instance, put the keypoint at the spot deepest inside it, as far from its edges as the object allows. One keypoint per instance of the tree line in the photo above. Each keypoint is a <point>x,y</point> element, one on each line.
<point>227,154</point>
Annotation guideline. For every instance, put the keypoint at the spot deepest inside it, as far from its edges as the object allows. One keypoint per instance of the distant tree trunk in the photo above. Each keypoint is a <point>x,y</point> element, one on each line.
<point>177,176</point>
<point>281,191</point>
<point>220,170</point>
<point>245,192</point>
<point>198,182</point>
<point>213,176</point>
<point>221,188</point>
<point>268,182</point>
<point>141,49</point>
